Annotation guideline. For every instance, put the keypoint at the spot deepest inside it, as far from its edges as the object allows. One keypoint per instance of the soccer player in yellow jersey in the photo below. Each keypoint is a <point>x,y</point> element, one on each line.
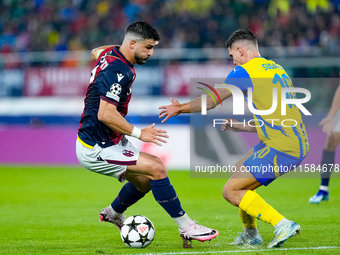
<point>282,146</point>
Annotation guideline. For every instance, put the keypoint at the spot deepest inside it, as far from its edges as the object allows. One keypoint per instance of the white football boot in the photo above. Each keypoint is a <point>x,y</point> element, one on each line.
<point>283,232</point>
<point>194,231</point>
<point>244,239</point>
<point>106,215</point>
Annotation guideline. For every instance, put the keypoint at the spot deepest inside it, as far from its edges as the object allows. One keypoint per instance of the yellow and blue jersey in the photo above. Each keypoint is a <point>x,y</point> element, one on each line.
<point>275,130</point>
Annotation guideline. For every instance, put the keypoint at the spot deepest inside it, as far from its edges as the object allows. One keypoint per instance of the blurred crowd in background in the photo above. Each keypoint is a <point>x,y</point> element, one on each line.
<point>51,41</point>
<point>47,25</point>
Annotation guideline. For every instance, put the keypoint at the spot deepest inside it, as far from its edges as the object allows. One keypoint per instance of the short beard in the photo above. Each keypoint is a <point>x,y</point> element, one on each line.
<point>140,60</point>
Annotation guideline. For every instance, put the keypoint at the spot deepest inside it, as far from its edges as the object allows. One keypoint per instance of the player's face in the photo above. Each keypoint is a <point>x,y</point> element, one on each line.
<point>236,54</point>
<point>144,50</point>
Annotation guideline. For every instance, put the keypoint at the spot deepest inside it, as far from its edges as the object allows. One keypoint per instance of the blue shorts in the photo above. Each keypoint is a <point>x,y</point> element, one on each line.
<point>266,164</point>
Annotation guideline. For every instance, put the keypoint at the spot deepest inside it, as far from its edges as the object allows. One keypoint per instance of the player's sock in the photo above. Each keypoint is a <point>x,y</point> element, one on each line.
<point>183,221</point>
<point>166,196</point>
<point>249,222</point>
<point>327,161</point>
<point>127,196</point>
<point>114,212</point>
<point>250,232</point>
<point>323,190</point>
<point>255,206</point>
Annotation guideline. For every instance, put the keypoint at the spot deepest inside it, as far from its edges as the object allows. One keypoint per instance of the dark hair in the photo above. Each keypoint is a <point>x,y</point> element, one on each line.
<point>144,30</point>
<point>241,34</point>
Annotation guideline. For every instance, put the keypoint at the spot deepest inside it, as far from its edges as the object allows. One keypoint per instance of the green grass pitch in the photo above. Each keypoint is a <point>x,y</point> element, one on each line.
<point>54,210</point>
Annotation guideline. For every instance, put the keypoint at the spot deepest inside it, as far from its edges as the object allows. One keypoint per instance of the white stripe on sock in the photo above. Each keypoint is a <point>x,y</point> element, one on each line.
<point>183,221</point>
<point>324,188</point>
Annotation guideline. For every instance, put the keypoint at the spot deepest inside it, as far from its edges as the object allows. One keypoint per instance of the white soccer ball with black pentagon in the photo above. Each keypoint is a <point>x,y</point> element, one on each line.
<point>116,88</point>
<point>137,231</point>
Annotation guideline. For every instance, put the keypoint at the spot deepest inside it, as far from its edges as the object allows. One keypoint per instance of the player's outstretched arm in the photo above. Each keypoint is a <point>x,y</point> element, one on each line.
<point>168,111</point>
<point>236,126</point>
<point>174,109</point>
<point>109,115</point>
<point>327,123</point>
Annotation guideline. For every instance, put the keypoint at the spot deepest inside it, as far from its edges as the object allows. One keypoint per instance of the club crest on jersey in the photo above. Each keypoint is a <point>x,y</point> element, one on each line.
<point>128,153</point>
<point>115,90</point>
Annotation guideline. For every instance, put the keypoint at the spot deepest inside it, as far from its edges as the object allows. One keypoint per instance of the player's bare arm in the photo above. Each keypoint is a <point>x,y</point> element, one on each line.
<point>96,52</point>
<point>236,126</point>
<point>109,115</point>
<point>168,111</point>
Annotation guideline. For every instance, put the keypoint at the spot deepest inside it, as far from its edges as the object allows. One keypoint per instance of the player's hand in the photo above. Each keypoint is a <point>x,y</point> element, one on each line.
<point>327,125</point>
<point>153,135</point>
<point>169,111</point>
<point>233,125</point>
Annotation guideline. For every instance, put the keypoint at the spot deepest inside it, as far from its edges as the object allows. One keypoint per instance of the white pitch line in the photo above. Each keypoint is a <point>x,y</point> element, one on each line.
<point>239,251</point>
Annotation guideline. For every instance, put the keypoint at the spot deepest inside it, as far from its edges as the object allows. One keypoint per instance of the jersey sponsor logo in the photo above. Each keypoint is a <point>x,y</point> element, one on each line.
<point>128,153</point>
<point>115,90</point>
<point>120,76</point>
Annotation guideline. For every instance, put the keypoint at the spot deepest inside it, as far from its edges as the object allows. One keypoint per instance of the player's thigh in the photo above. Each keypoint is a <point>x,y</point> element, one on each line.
<point>240,162</point>
<point>242,178</point>
<point>148,166</point>
<point>332,141</point>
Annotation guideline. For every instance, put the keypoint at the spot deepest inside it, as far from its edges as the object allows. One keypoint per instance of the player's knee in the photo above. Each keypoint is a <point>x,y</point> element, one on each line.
<point>332,142</point>
<point>158,169</point>
<point>226,192</point>
<point>143,185</point>
<point>229,194</point>
<point>330,146</point>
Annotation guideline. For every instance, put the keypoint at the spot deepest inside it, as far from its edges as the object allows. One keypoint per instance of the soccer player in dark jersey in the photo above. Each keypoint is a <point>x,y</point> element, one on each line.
<point>102,145</point>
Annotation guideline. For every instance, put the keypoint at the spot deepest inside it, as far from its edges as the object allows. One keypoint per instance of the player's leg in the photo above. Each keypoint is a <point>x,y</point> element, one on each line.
<point>144,172</point>
<point>327,163</point>
<point>250,235</point>
<point>113,161</point>
<point>152,168</point>
<point>239,192</point>
<point>138,174</point>
<point>130,193</point>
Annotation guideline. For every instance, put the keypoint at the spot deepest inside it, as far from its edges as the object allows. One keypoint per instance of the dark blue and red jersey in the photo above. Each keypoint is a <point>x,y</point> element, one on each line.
<point>111,80</point>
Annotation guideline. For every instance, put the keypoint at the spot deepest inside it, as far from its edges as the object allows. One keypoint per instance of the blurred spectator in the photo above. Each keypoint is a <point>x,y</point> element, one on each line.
<point>44,25</point>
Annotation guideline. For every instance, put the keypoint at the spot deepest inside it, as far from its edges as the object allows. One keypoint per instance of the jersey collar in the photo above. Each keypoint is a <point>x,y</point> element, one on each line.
<point>116,50</point>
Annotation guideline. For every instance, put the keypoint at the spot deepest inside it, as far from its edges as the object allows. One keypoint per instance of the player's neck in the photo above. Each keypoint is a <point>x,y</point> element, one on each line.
<point>254,54</point>
<point>127,54</point>
<point>251,55</point>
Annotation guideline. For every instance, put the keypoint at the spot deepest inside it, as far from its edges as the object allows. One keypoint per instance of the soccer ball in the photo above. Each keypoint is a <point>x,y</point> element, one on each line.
<point>116,88</point>
<point>137,231</point>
